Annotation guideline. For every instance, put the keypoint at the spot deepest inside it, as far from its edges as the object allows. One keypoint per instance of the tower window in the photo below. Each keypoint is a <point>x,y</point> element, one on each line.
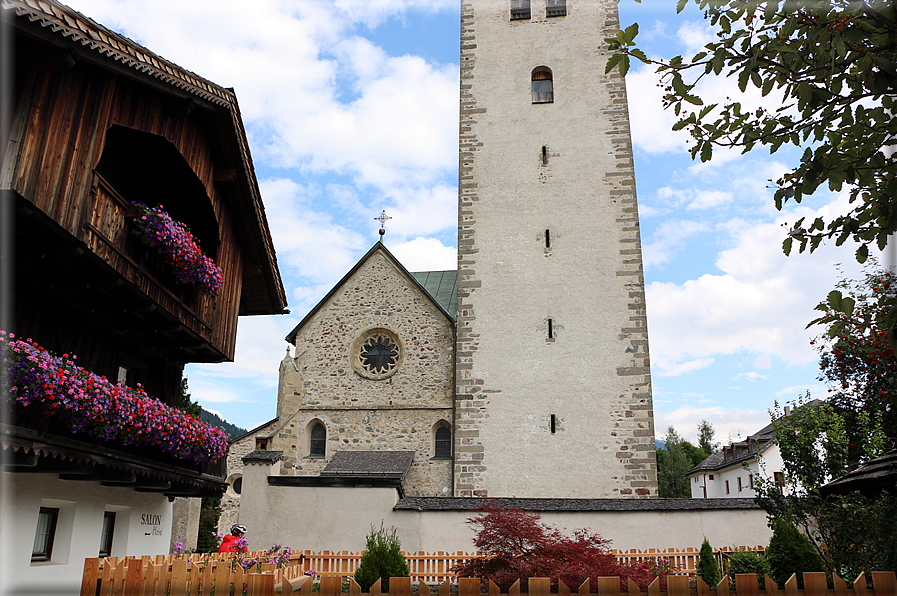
<point>318,443</point>
<point>544,155</point>
<point>443,444</point>
<point>543,85</point>
<point>553,424</point>
<point>520,10</point>
<point>547,238</point>
<point>555,8</point>
<point>550,329</point>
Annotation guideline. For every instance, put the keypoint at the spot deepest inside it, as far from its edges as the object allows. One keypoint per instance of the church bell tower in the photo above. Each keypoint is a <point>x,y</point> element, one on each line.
<point>553,386</point>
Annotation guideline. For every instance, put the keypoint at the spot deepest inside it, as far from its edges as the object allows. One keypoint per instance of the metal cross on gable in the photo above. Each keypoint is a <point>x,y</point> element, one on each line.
<point>382,219</point>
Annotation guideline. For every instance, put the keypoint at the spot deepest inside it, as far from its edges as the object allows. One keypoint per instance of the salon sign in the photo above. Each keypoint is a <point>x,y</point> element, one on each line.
<point>151,524</point>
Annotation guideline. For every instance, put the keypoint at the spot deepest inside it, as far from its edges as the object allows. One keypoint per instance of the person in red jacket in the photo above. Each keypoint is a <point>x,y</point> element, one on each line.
<point>235,543</point>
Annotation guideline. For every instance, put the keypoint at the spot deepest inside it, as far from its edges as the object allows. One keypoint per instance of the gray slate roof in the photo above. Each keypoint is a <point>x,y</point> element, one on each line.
<point>879,473</point>
<point>393,464</point>
<point>540,505</point>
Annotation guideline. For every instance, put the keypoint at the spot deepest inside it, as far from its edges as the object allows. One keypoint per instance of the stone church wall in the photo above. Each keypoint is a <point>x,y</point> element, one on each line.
<point>398,412</point>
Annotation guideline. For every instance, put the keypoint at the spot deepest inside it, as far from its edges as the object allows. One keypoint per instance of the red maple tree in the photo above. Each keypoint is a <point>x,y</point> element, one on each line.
<point>518,546</point>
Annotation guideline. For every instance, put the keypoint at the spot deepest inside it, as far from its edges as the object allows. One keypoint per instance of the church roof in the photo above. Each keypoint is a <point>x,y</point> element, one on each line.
<point>394,464</point>
<point>442,286</point>
<point>437,280</point>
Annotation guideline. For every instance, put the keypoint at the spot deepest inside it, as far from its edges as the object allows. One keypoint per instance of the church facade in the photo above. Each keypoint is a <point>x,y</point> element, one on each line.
<point>526,372</point>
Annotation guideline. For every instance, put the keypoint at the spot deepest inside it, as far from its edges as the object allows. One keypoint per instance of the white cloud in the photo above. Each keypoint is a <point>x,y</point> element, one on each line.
<point>426,254</point>
<point>669,239</point>
<point>760,303</point>
<point>727,423</point>
<point>704,199</point>
<point>750,376</point>
<point>681,368</point>
<point>763,361</point>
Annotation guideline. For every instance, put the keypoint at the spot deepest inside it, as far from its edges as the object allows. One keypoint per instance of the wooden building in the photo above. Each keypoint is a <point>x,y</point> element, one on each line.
<point>97,123</point>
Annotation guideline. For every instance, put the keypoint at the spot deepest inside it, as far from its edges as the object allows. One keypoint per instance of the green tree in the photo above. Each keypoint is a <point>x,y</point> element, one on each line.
<point>382,559</point>
<point>209,513</point>
<point>672,464</point>
<point>184,401</point>
<point>857,360</point>
<point>832,63</point>
<point>853,532</point>
<point>708,568</point>
<point>747,561</point>
<point>705,438</point>
<point>789,552</point>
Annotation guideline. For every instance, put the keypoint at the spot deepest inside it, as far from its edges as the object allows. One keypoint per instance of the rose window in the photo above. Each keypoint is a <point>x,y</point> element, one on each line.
<point>379,354</point>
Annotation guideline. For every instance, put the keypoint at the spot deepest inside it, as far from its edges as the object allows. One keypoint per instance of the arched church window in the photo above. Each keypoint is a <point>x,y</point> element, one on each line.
<point>443,444</point>
<point>318,442</point>
<point>543,85</point>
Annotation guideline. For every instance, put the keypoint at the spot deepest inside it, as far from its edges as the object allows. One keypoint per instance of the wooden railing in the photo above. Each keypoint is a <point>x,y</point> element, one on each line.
<point>146,577</point>
<point>437,567</point>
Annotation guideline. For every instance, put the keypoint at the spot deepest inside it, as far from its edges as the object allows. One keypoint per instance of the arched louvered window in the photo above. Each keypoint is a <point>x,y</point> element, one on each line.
<point>543,85</point>
<point>443,443</point>
<point>318,443</point>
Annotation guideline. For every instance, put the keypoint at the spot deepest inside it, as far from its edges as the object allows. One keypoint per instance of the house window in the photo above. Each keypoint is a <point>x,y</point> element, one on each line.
<point>261,444</point>
<point>711,476</point>
<point>543,85</point>
<point>318,444</point>
<point>46,531</point>
<point>442,448</point>
<point>727,487</point>
<point>520,10</point>
<point>779,478</point>
<point>555,8</point>
<point>739,484</point>
<point>751,481</point>
<point>106,534</point>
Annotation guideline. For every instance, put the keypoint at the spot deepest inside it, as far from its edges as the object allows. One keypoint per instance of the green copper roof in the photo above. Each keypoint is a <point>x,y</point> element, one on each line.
<point>442,286</point>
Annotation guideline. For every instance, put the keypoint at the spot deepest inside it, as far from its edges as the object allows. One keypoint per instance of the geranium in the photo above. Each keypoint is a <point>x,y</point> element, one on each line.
<point>91,405</point>
<point>177,245</point>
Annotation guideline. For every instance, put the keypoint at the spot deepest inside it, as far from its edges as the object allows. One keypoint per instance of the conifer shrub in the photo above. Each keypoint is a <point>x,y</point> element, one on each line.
<point>708,568</point>
<point>382,559</point>
<point>747,561</point>
<point>790,551</point>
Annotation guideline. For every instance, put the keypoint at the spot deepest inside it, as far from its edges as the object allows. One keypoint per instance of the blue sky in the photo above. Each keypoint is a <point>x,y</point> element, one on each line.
<point>351,107</point>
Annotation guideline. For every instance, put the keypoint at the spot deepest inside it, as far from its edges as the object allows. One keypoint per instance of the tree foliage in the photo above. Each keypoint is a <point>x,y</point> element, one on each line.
<point>833,63</point>
<point>747,561</point>
<point>853,532</point>
<point>790,552</point>
<point>382,559</point>
<point>708,568</point>
<point>857,361</point>
<point>519,546</point>
<point>677,457</point>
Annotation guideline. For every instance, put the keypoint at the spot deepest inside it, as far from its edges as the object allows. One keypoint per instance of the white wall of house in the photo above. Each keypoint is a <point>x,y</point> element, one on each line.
<point>339,518</point>
<point>142,527</point>
<point>735,482</point>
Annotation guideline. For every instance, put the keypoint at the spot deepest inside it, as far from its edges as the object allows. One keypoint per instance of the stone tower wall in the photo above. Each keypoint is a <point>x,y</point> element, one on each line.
<point>566,412</point>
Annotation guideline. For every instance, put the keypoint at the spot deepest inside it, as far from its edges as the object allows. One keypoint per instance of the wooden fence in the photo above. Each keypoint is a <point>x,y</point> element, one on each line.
<point>435,568</point>
<point>143,577</point>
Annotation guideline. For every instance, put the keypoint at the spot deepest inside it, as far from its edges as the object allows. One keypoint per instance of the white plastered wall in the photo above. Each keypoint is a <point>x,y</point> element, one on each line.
<point>142,527</point>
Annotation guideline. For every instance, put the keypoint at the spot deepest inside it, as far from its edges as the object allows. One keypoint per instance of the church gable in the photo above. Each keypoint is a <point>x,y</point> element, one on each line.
<point>372,371</point>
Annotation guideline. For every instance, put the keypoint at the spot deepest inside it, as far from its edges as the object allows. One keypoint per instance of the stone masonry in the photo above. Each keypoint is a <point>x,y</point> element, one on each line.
<point>401,412</point>
<point>553,391</point>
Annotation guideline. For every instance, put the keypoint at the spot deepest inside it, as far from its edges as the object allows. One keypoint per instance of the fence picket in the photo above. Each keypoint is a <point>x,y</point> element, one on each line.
<point>634,590</point>
<point>884,582</point>
<point>89,577</point>
<point>585,588</point>
<point>677,585</point>
<point>608,586</point>
<point>840,585</point>
<point>772,588</point>
<point>540,586</point>
<point>746,584</point>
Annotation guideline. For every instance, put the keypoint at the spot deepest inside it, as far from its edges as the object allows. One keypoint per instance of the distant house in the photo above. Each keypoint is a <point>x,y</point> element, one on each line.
<point>730,473</point>
<point>99,125</point>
